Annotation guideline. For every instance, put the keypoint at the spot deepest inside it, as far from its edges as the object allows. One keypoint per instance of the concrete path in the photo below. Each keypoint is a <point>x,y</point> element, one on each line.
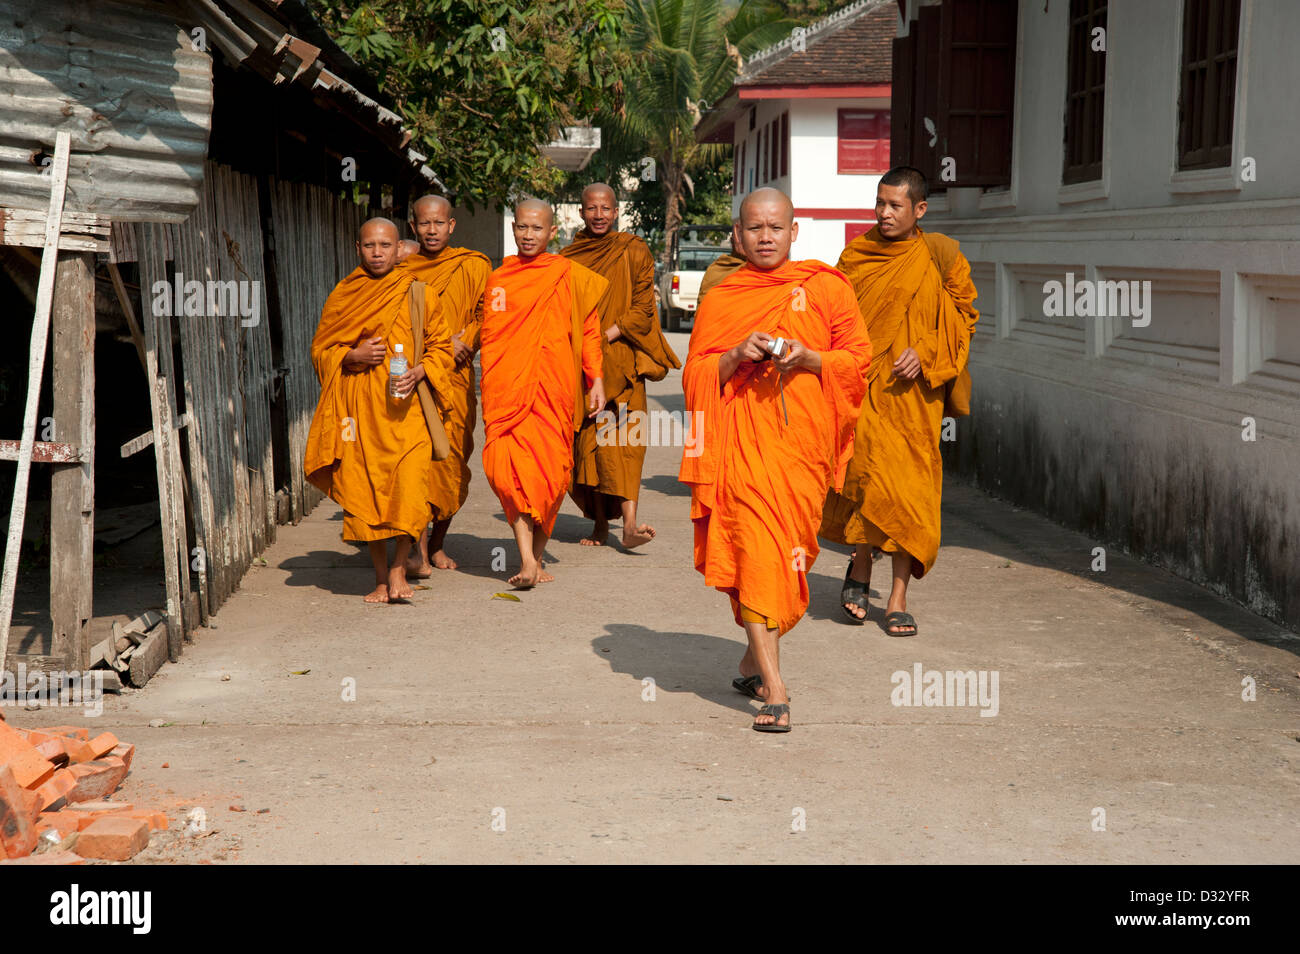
<point>1119,706</point>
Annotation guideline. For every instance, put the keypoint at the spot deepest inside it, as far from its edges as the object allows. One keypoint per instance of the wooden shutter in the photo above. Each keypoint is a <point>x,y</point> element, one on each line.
<point>1208,90</point>
<point>1085,93</point>
<point>863,141</point>
<point>785,143</point>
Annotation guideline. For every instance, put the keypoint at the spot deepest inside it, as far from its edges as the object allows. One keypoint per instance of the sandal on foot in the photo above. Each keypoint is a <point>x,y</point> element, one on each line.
<point>855,593</point>
<point>895,620</point>
<point>776,711</point>
<point>748,685</point>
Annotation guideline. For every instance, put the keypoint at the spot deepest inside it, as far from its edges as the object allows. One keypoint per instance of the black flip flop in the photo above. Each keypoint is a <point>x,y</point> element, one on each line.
<point>855,593</point>
<point>776,711</point>
<point>894,620</point>
<point>748,685</point>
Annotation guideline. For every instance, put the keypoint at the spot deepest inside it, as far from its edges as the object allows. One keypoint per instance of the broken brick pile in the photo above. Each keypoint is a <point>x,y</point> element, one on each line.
<point>59,780</point>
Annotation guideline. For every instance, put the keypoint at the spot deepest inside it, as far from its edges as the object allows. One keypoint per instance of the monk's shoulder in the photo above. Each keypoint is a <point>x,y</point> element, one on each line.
<point>945,250</point>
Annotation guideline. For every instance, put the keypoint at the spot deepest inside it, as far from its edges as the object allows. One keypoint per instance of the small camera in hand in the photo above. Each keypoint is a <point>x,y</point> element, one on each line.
<point>779,347</point>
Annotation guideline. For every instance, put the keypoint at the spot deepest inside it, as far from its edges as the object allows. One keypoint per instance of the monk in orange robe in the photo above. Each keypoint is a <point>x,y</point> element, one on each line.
<point>917,300</point>
<point>458,277</point>
<point>774,381</point>
<point>368,449</point>
<point>540,338</point>
<point>607,473</point>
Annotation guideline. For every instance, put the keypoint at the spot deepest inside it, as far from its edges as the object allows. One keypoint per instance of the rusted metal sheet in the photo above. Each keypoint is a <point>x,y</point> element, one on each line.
<point>125,81</point>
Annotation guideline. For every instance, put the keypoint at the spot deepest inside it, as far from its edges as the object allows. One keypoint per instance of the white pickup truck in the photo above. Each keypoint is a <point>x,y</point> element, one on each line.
<point>695,248</point>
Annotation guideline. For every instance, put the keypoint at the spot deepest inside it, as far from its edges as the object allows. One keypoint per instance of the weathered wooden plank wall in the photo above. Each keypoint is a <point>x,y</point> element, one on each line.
<point>226,360</point>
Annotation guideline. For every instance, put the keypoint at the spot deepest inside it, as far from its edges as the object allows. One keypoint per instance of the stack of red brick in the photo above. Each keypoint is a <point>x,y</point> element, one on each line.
<point>60,779</point>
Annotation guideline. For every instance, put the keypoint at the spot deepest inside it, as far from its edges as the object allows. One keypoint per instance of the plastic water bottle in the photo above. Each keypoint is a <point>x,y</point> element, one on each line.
<point>396,368</point>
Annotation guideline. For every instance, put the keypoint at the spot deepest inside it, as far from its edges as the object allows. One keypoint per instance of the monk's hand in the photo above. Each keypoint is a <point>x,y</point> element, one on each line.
<point>798,356</point>
<point>754,348</point>
<point>613,333</point>
<point>461,353</point>
<point>908,365</point>
<point>368,353</point>
<point>596,397</point>
<point>406,383</point>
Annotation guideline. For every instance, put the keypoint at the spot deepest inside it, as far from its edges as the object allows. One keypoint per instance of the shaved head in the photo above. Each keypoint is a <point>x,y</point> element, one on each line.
<point>378,221</point>
<point>766,228</point>
<point>534,227</point>
<point>599,209</point>
<point>430,203</point>
<point>765,197</point>
<point>597,188</point>
<point>377,246</point>
<point>432,223</point>
<point>533,207</point>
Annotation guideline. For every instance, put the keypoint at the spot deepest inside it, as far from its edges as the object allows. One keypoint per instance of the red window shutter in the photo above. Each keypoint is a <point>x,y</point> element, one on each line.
<point>774,133</point>
<point>785,143</point>
<point>853,229</point>
<point>863,141</point>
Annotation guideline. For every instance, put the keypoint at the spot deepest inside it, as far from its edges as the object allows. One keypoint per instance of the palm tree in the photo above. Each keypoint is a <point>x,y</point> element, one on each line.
<point>687,55</point>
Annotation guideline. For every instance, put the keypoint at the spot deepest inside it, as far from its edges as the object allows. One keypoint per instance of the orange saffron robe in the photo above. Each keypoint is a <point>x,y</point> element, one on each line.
<point>540,338</point>
<point>611,467</point>
<point>915,293</point>
<point>718,271</point>
<point>369,454</point>
<point>757,481</point>
<point>458,277</point>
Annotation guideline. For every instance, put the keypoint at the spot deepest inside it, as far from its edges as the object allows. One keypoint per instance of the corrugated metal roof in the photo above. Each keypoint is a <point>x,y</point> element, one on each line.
<point>126,83</point>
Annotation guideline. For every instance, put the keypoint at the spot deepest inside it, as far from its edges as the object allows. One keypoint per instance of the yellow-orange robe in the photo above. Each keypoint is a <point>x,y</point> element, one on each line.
<point>368,453</point>
<point>540,338</point>
<point>458,277</point>
<point>640,352</point>
<point>915,293</point>
<point>758,486</point>
<point>719,270</point>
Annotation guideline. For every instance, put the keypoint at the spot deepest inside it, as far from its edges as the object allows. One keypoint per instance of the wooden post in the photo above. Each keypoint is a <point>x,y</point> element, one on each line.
<point>35,371</point>
<point>72,486</point>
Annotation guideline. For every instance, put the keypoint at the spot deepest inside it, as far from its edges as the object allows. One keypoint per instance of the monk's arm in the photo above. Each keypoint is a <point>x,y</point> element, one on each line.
<point>640,317</point>
<point>438,362</point>
<point>593,358</point>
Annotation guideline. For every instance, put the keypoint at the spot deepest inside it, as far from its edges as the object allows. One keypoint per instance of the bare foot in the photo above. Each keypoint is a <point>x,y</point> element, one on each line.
<point>594,541</point>
<point>544,577</point>
<point>527,577</point>
<point>444,562</point>
<point>642,534</point>
<point>378,595</point>
<point>398,588</point>
<point>418,571</point>
<point>860,575</point>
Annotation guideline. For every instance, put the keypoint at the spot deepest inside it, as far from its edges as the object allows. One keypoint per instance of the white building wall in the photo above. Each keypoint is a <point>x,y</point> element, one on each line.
<point>813,182</point>
<point>1136,432</point>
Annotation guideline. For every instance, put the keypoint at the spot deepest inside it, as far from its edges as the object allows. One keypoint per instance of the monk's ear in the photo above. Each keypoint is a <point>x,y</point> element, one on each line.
<point>794,230</point>
<point>451,225</point>
<point>555,230</point>
<point>920,209</point>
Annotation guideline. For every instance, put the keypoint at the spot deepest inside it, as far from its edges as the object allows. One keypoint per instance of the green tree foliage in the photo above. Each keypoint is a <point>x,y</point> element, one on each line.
<point>483,83</point>
<point>685,55</point>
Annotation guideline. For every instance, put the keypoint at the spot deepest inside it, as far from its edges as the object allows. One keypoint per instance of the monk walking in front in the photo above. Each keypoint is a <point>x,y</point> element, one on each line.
<point>458,277</point>
<point>369,448</point>
<point>917,299</point>
<point>540,340</point>
<point>606,469</point>
<point>774,380</point>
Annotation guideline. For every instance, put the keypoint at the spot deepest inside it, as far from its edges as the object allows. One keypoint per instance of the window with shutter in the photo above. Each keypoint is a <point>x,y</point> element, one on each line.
<point>1209,83</point>
<point>1085,95</point>
<point>785,143</point>
<point>863,141</point>
<point>954,75</point>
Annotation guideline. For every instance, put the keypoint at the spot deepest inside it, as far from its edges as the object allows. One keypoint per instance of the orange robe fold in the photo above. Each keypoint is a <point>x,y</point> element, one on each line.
<point>757,481</point>
<point>640,352</point>
<point>540,339</point>
<point>458,277</point>
<point>718,271</point>
<point>368,453</point>
<point>915,293</point>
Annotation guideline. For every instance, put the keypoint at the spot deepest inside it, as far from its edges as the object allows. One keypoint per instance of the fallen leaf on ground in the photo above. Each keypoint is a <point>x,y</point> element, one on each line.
<point>507,596</point>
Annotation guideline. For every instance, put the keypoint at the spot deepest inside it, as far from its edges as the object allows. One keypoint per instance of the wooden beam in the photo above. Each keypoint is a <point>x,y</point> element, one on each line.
<point>124,300</point>
<point>35,371</point>
<point>43,452</point>
<point>72,489</point>
<point>137,444</point>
